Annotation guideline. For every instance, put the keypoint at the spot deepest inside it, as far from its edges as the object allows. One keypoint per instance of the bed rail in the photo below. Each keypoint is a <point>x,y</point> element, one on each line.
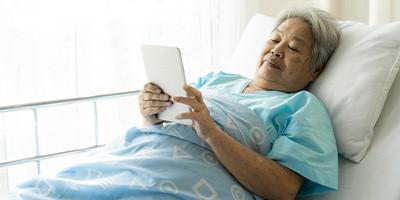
<point>36,105</point>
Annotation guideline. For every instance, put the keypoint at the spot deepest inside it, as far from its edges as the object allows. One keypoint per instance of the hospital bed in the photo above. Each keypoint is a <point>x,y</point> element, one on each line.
<point>377,174</point>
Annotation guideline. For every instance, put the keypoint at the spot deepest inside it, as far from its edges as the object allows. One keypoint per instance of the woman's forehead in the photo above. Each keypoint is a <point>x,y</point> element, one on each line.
<point>297,29</point>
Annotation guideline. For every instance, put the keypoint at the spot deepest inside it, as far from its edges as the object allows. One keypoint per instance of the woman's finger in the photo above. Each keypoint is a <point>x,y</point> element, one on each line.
<point>150,96</point>
<point>191,91</point>
<point>190,101</point>
<point>149,104</point>
<point>153,88</point>
<point>153,110</point>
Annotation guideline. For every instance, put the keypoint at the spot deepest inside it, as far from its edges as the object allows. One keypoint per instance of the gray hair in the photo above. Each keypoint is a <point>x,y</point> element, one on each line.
<point>325,30</point>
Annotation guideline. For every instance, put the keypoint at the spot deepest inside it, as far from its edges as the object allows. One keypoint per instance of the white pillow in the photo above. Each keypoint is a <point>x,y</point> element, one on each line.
<point>355,83</point>
<point>247,53</point>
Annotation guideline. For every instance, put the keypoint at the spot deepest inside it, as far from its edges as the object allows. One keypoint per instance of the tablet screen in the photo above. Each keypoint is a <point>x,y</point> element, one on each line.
<point>164,67</point>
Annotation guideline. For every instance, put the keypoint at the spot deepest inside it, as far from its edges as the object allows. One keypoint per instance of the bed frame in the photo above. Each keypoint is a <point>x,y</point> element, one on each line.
<point>54,103</point>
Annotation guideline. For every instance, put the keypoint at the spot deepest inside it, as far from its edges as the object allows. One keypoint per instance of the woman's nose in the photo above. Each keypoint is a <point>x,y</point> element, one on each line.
<point>276,53</point>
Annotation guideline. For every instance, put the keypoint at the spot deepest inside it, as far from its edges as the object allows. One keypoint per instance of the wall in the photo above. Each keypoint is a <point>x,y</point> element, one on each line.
<point>367,11</point>
<point>356,10</point>
<point>272,7</point>
<point>395,7</point>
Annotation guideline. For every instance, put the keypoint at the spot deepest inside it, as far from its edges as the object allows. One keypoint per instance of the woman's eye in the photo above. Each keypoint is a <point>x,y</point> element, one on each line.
<point>293,49</point>
<point>274,40</point>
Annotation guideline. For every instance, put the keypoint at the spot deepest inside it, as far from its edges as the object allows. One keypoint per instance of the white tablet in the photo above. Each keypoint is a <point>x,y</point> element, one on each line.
<point>164,68</point>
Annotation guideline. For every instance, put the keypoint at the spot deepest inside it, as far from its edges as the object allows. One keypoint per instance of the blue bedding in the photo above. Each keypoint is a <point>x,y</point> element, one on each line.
<point>166,161</point>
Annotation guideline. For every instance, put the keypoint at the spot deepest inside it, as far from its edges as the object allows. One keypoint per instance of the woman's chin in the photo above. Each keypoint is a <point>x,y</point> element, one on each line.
<point>266,75</point>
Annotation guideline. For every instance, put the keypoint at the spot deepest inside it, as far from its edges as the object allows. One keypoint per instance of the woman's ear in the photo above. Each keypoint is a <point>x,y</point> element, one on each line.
<point>317,72</point>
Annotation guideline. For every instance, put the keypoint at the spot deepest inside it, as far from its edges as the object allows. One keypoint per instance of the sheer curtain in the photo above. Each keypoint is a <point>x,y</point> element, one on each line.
<point>55,49</point>
<point>229,19</point>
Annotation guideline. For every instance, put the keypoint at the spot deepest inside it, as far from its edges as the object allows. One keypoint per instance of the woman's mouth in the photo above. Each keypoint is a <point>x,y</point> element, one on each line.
<point>272,64</point>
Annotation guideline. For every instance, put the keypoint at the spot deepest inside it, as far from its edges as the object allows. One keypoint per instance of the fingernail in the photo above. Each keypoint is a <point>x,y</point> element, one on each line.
<point>169,103</point>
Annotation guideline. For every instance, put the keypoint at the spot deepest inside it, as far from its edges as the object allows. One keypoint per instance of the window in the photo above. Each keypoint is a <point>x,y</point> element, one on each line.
<point>67,49</point>
<point>57,49</point>
<point>62,49</point>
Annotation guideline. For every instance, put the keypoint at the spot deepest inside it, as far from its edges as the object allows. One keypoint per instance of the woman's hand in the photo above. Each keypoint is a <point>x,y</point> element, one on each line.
<point>202,121</point>
<point>152,101</point>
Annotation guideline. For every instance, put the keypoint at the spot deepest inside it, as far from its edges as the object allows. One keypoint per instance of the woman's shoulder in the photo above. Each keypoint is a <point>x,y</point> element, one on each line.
<point>306,98</point>
<point>305,94</point>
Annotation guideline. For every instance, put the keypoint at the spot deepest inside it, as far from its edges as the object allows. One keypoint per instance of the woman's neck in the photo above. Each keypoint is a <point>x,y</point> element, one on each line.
<point>251,87</point>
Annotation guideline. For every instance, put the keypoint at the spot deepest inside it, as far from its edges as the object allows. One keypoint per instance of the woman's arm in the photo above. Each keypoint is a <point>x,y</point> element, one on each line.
<point>257,173</point>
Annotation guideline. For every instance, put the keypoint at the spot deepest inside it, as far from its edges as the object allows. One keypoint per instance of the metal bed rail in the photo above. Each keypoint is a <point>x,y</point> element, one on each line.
<point>58,102</point>
<point>37,105</point>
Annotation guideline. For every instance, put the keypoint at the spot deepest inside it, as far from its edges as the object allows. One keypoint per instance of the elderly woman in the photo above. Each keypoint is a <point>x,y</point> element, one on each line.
<point>303,157</point>
<point>264,137</point>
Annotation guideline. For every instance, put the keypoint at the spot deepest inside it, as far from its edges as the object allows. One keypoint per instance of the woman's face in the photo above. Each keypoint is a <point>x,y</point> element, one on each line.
<point>285,62</point>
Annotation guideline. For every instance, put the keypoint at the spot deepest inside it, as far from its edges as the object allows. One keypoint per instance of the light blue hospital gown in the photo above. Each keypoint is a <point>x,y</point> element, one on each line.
<point>147,162</point>
<point>297,124</point>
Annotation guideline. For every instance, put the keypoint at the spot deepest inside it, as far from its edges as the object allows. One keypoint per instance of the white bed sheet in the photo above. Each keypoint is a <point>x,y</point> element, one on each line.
<point>377,176</point>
